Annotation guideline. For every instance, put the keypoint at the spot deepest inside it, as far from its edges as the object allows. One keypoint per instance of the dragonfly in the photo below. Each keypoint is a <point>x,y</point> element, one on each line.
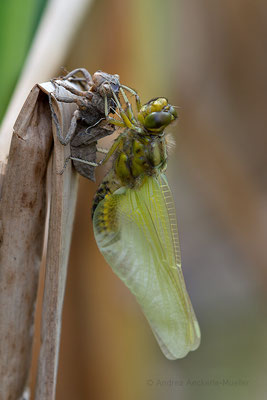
<point>135,223</point>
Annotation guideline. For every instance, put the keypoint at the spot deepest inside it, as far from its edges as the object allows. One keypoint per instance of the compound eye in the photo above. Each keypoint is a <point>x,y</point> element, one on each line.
<point>115,86</point>
<point>158,120</point>
<point>173,111</point>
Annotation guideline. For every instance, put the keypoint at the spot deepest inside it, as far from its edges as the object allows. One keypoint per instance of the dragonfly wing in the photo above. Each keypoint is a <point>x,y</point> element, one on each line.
<point>136,231</point>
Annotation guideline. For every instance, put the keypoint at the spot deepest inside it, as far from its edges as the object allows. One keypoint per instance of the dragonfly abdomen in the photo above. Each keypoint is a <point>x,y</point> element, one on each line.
<point>108,186</point>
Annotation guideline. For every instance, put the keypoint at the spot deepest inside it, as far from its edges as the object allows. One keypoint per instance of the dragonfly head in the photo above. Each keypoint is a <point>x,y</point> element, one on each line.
<point>156,115</point>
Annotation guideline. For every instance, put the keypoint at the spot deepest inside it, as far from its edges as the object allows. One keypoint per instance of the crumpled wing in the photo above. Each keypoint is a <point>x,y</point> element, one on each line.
<point>136,231</point>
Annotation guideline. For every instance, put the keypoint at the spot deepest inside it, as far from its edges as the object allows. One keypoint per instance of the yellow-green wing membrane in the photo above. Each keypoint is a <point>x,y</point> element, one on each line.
<point>136,231</point>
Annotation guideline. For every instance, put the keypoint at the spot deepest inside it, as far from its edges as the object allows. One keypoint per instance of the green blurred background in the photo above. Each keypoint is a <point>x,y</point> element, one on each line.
<point>19,21</point>
<point>209,58</point>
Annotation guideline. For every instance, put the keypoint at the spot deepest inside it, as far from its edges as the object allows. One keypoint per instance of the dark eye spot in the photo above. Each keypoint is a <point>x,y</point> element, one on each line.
<point>157,120</point>
<point>115,87</point>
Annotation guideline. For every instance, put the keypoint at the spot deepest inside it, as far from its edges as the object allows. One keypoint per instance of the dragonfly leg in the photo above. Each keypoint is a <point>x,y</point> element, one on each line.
<point>93,164</point>
<point>101,150</point>
<point>125,120</point>
<point>118,142</point>
<point>64,166</point>
<point>110,119</point>
<point>71,89</point>
<point>137,98</point>
<point>84,72</point>
<point>128,110</point>
<point>73,124</point>
<point>92,126</point>
<point>108,154</point>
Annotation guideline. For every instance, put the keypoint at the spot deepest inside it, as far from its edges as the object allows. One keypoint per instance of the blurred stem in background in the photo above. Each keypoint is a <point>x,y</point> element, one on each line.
<point>18,23</point>
<point>153,57</point>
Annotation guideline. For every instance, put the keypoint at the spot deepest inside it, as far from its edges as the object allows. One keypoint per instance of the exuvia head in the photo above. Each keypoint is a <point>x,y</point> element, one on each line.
<point>105,82</point>
<point>156,115</point>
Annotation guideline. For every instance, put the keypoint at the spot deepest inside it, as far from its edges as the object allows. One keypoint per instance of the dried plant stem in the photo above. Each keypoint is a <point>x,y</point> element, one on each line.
<point>22,221</point>
<point>63,199</point>
<point>22,217</point>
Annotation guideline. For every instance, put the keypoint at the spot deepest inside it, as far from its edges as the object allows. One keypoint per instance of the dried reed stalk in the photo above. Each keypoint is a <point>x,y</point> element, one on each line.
<point>22,221</point>
<point>63,199</point>
<point>22,216</point>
